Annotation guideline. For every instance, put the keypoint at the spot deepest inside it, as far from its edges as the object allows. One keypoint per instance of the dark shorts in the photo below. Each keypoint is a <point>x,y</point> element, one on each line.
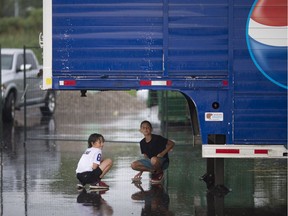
<point>147,163</point>
<point>89,177</point>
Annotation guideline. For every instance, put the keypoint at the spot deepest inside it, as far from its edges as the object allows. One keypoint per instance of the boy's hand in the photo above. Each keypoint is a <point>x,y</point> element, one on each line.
<point>137,177</point>
<point>160,155</point>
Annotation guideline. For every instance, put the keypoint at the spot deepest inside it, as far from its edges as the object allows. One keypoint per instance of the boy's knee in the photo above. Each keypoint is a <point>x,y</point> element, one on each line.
<point>110,162</point>
<point>154,160</point>
<point>132,165</point>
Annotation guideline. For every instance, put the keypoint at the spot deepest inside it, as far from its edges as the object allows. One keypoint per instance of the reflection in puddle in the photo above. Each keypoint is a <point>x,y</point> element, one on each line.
<point>93,203</point>
<point>156,200</point>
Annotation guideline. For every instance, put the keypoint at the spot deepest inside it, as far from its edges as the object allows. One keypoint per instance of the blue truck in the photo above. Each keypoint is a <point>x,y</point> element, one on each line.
<point>227,57</point>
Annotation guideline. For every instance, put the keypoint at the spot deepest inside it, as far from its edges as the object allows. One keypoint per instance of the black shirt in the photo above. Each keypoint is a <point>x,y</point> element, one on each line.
<point>156,145</point>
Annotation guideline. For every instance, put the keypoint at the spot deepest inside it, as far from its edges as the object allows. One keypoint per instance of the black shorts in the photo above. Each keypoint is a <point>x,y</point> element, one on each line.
<point>89,177</point>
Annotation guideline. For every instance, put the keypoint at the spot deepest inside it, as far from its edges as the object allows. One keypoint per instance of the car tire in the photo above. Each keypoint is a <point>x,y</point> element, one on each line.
<point>9,108</point>
<point>50,104</point>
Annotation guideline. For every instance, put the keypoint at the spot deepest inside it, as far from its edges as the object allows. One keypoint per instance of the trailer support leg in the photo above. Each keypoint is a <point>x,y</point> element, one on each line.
<point>219,171</point>
<point>215,172</point>
<point>214,177</point>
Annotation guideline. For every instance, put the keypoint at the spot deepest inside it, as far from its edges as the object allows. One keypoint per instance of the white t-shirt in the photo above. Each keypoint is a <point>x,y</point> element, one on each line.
<point>90,156</point>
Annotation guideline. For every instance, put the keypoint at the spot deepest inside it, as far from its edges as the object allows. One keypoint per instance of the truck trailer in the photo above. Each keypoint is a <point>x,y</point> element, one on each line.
<point>227,57</point>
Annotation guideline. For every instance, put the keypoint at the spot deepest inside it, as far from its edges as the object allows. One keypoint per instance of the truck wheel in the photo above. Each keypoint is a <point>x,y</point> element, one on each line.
<point>9,108</point>
<point>50,104</point>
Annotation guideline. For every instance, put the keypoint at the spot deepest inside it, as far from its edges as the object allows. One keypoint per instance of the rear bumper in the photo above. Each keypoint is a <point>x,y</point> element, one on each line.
<point>244,151</point>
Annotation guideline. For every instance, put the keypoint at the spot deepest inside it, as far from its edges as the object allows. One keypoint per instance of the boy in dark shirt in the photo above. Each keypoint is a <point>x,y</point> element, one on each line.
<point>155,149</point>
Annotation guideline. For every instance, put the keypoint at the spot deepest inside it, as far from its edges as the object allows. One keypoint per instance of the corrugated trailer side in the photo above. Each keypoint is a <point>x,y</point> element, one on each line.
<point>107,38</point>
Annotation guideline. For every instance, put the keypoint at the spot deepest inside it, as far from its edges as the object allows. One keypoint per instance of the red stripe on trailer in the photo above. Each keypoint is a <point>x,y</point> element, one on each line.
<point>145,82</point>
<point>261,151</point>
<point>69,82</point>
<point>227,151</point>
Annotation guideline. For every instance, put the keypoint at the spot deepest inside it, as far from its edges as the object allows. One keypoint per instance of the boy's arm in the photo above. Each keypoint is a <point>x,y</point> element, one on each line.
<point>169,146</point>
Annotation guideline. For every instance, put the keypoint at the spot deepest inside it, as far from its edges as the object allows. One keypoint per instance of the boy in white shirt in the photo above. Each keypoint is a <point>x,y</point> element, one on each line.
<point>91,167</point>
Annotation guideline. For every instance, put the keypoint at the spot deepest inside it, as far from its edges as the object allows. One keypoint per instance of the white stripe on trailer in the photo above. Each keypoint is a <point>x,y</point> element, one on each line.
<point>244,151</point>
<point>159,83</point>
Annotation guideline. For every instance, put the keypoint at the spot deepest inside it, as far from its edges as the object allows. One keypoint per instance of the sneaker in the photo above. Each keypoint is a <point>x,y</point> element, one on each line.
<point>80,187</point>
<point>157,178</point>
<point>99,185</point>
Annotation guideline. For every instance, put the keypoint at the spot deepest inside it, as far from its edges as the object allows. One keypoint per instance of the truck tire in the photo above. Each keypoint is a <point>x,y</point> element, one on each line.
<point>9,108</point>
<point>50,104</point>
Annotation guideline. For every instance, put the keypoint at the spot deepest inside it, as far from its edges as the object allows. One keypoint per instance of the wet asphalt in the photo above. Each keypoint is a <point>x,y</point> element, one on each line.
<point>38,174</point>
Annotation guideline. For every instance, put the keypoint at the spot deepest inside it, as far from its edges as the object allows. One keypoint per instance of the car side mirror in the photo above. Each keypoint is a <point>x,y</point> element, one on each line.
<point>27,67</point>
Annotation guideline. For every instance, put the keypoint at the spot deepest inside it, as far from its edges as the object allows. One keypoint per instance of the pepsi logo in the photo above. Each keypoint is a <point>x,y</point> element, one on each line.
<point>267,39</point>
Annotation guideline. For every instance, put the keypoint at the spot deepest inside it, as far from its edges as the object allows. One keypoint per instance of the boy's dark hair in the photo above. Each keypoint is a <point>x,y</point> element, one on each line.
<point>93,138</point>
<point>147,122</point>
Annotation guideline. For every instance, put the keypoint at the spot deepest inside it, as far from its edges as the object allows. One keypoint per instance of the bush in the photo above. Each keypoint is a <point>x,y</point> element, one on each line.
<point>10,25</point>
